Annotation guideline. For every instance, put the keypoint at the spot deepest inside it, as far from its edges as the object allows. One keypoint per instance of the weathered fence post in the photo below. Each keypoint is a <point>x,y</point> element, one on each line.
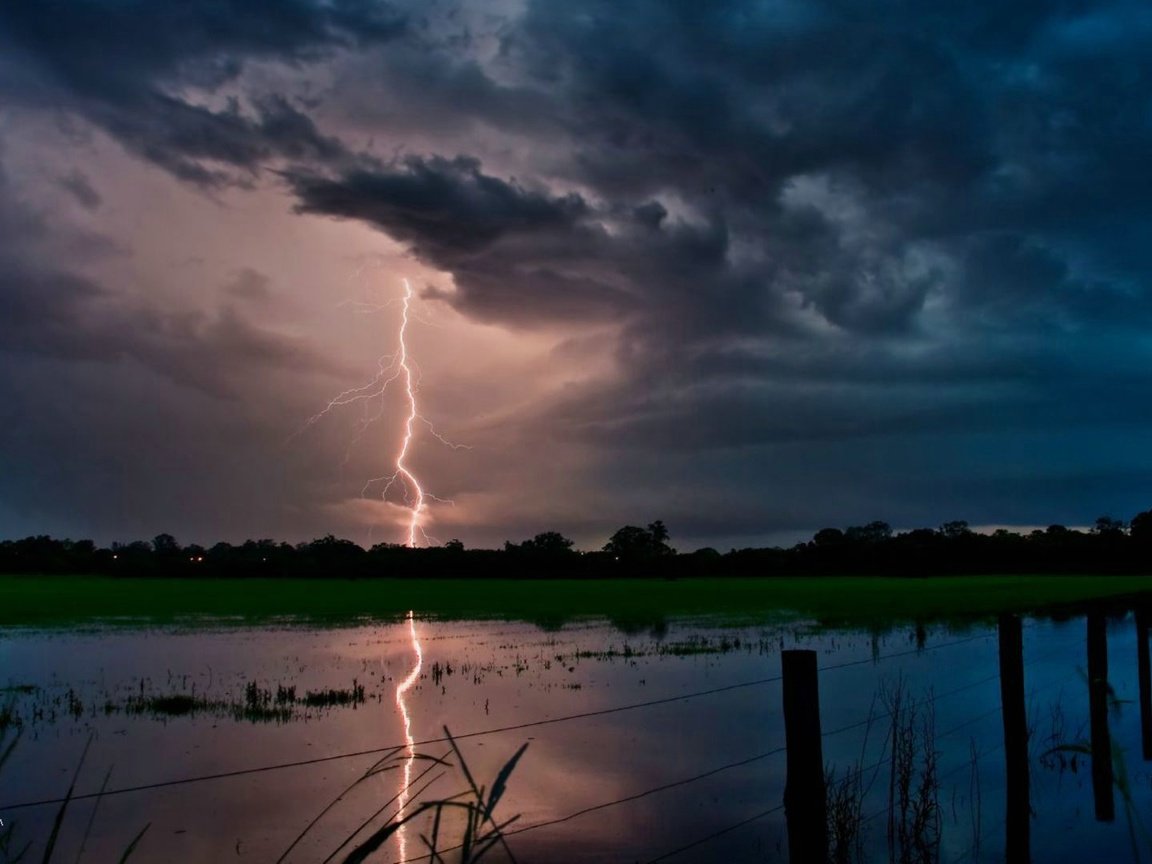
<point>1144,670</point>
<point>1018,816</point>
<point>1098,717</point>
<point>805,798</point>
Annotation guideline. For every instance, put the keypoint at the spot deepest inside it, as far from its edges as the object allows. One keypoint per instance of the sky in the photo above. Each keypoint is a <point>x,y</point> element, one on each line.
<point>751,268</point>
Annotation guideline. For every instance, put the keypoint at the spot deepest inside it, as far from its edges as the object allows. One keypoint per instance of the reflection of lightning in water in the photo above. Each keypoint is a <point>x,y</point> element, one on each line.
<point>402,688</point>
<point>396,367</point>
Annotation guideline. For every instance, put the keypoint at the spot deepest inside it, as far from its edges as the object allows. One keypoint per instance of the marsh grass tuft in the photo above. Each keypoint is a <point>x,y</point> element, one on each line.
<point>259,705</point>
<point>845,815</point>
<point>845,798</point>
<point>329,698</point>
<point>174,705</point>
<point>473,810</point>
<point>914,815</point>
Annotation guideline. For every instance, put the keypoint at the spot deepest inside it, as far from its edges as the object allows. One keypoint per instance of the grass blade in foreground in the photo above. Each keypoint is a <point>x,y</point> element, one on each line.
<point>481,831</point>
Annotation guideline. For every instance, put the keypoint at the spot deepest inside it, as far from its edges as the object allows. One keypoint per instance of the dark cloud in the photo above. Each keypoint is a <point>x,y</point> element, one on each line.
<point>127,68</point>
<point>213,148</point>
<point>81,188</point>
<point>202,44</point>
<point>510,249</point>
<point>734,98</point>
<point>448,207</point>
<point>809,225</point>
<point>528,257</point>
<point>936,127</point>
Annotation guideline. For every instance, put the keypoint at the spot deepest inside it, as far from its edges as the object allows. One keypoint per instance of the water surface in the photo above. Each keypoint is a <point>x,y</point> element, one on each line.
<point>640,743</point>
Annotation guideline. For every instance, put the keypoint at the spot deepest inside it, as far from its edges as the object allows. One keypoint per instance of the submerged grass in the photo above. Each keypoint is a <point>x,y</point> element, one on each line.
<point>47,601</point>
<point>258,705</point>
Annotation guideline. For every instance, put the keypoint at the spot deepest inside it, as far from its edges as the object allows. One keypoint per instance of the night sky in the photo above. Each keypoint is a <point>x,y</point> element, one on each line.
<point>752,268</point>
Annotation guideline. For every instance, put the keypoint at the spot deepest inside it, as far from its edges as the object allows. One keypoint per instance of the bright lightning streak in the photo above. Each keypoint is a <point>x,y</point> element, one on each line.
<point>391,368</point>
<point>401,689</point>
<point>402,469</point>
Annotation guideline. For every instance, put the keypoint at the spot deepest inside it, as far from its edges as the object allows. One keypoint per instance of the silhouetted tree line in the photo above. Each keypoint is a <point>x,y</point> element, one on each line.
<point>1111,546</point>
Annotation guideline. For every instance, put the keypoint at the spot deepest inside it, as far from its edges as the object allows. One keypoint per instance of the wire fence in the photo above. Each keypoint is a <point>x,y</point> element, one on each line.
<point>880,763</point>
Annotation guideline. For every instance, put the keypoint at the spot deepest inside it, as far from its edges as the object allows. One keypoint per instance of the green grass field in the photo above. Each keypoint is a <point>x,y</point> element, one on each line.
<point>61,601</point>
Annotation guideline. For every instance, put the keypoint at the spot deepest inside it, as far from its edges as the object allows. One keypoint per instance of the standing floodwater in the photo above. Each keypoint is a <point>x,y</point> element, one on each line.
<point>1000,741</point>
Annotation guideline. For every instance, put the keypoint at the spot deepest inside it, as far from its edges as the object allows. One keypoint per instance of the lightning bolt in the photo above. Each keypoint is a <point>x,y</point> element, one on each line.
<point>391,368</point>
<point>402,469</point>
<point>401,689</point>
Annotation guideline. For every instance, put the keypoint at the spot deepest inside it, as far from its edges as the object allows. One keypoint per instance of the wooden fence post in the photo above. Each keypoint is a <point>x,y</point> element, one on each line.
<point>1098,718</point>
<point>1144,670</point>
<point>1019,811</point>
<point>805,798</point>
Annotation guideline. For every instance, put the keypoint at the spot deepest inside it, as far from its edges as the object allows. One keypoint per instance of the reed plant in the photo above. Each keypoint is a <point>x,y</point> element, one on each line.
<point>462,827</point>
<point>914,815</point>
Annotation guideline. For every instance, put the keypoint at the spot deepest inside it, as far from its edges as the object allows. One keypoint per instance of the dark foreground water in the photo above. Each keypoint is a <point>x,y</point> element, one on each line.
<point>665,745</point>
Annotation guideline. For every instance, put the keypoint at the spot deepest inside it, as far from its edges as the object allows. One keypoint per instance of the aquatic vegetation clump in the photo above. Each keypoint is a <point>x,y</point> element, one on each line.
<point>914,815</point>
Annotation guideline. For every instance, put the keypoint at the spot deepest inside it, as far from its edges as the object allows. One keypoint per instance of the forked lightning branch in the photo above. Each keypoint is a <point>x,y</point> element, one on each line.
<point>391,368</point>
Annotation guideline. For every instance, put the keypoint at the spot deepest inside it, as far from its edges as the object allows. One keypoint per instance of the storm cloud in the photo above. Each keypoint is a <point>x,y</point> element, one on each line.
<point>798,246</point>
<point>136,71</point>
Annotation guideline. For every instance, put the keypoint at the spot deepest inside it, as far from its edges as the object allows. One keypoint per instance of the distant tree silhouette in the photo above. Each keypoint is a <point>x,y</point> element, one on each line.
<point>633,544</point>
<point>387,547</point>
<point>547,554</point>
<point>136,550</point>
<point>1108,547</point>
<point>873,532</point>
<point>328,556</point>
<point>165,544</point>
<point>1106,526</point>
<point>829,538</point>
<point>221,552</point>
<point>551,543</point>
<point>1140,528</point>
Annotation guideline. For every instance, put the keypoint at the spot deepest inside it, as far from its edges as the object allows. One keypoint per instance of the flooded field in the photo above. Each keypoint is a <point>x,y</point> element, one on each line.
<point>666,743</point>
